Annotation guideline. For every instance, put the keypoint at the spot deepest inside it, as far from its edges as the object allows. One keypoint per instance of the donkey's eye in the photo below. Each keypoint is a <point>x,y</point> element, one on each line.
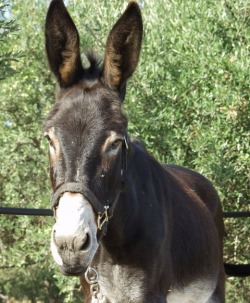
<point>115,145</point>
<point>47,136</point>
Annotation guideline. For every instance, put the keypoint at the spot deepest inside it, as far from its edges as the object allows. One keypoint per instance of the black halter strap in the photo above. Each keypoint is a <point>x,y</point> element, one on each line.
<point>103,212</point>
<point>124,155</point>
<point>76,188</point>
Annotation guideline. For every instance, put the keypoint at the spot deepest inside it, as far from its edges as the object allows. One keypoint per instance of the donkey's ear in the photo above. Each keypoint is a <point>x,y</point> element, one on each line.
<point>62,44</point>
<point>123,47</point>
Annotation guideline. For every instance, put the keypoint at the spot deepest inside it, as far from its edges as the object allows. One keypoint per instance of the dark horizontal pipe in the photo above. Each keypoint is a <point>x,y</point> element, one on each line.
<point>49,212</point>
<point>236,214</point>
<point>25,211</point>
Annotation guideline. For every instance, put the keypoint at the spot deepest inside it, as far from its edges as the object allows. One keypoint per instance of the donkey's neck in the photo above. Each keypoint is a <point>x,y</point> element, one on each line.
<point>135,234</point>
<point>141,202</point>
<point>135,204</point>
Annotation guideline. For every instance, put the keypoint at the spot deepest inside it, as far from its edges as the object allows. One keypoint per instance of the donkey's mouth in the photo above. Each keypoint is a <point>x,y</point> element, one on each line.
<point>72,270</point>
<point>71,263</point>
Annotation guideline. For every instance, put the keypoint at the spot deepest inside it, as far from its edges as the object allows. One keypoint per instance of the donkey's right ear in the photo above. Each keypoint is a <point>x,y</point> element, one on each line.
<point>62,44</point>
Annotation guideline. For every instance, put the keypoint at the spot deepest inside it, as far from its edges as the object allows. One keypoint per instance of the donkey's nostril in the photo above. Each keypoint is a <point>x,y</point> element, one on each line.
<point>72,243</point>
<point>85,243</point>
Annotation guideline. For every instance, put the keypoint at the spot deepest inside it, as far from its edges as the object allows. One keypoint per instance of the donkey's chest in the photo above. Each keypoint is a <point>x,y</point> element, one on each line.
<point>196,292</point>
<point>121,285</point>
<point>120,289</point>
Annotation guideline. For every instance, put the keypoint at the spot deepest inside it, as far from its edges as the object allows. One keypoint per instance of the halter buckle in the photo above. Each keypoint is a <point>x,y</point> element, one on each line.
<point>103,218</point>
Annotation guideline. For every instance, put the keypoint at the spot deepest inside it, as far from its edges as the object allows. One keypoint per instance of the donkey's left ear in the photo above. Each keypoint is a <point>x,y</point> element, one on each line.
<point>123,48</point>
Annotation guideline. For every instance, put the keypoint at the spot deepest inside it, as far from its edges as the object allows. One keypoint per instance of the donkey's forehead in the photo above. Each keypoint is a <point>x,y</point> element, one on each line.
<point>87,107</point>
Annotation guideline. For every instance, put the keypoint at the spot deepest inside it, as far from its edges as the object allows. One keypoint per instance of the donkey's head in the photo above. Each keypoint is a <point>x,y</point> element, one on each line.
<point>87,133</point>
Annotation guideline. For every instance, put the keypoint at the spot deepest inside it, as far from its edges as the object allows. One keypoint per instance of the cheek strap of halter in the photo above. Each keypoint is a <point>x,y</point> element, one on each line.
<point>124,155</point>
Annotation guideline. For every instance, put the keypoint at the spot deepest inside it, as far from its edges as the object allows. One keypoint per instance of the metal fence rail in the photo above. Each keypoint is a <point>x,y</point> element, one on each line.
<point>236,214</point>
<point>240,270</point>
<point>49,212</point>
<point>25,211</point>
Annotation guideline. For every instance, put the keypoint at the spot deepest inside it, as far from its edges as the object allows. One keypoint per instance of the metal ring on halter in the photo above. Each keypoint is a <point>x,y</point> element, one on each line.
<point>91,275</point>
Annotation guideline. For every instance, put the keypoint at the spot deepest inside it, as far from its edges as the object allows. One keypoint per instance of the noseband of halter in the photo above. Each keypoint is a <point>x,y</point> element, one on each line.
<point>104,212</point>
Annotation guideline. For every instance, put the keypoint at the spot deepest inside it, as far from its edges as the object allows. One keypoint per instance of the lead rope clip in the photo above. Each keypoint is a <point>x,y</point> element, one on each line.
<point>92,278</point>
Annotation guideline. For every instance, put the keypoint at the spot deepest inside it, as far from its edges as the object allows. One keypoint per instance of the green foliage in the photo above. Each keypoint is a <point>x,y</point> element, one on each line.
<point>188,102</point>
<point>8,28</point>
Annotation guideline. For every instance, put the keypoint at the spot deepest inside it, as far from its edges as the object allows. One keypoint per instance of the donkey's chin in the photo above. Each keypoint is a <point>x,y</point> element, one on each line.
<point>72,263</point>
<point>72,271</point>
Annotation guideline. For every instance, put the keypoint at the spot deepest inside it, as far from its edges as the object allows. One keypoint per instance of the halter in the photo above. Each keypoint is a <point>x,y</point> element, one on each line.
<point>104,212</point>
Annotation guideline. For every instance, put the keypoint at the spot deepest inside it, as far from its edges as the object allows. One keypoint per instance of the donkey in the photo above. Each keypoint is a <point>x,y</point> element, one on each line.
<point>132,229</point>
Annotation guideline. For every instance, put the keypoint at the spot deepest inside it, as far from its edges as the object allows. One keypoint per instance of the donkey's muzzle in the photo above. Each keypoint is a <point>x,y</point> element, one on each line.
<point>74,234</point>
